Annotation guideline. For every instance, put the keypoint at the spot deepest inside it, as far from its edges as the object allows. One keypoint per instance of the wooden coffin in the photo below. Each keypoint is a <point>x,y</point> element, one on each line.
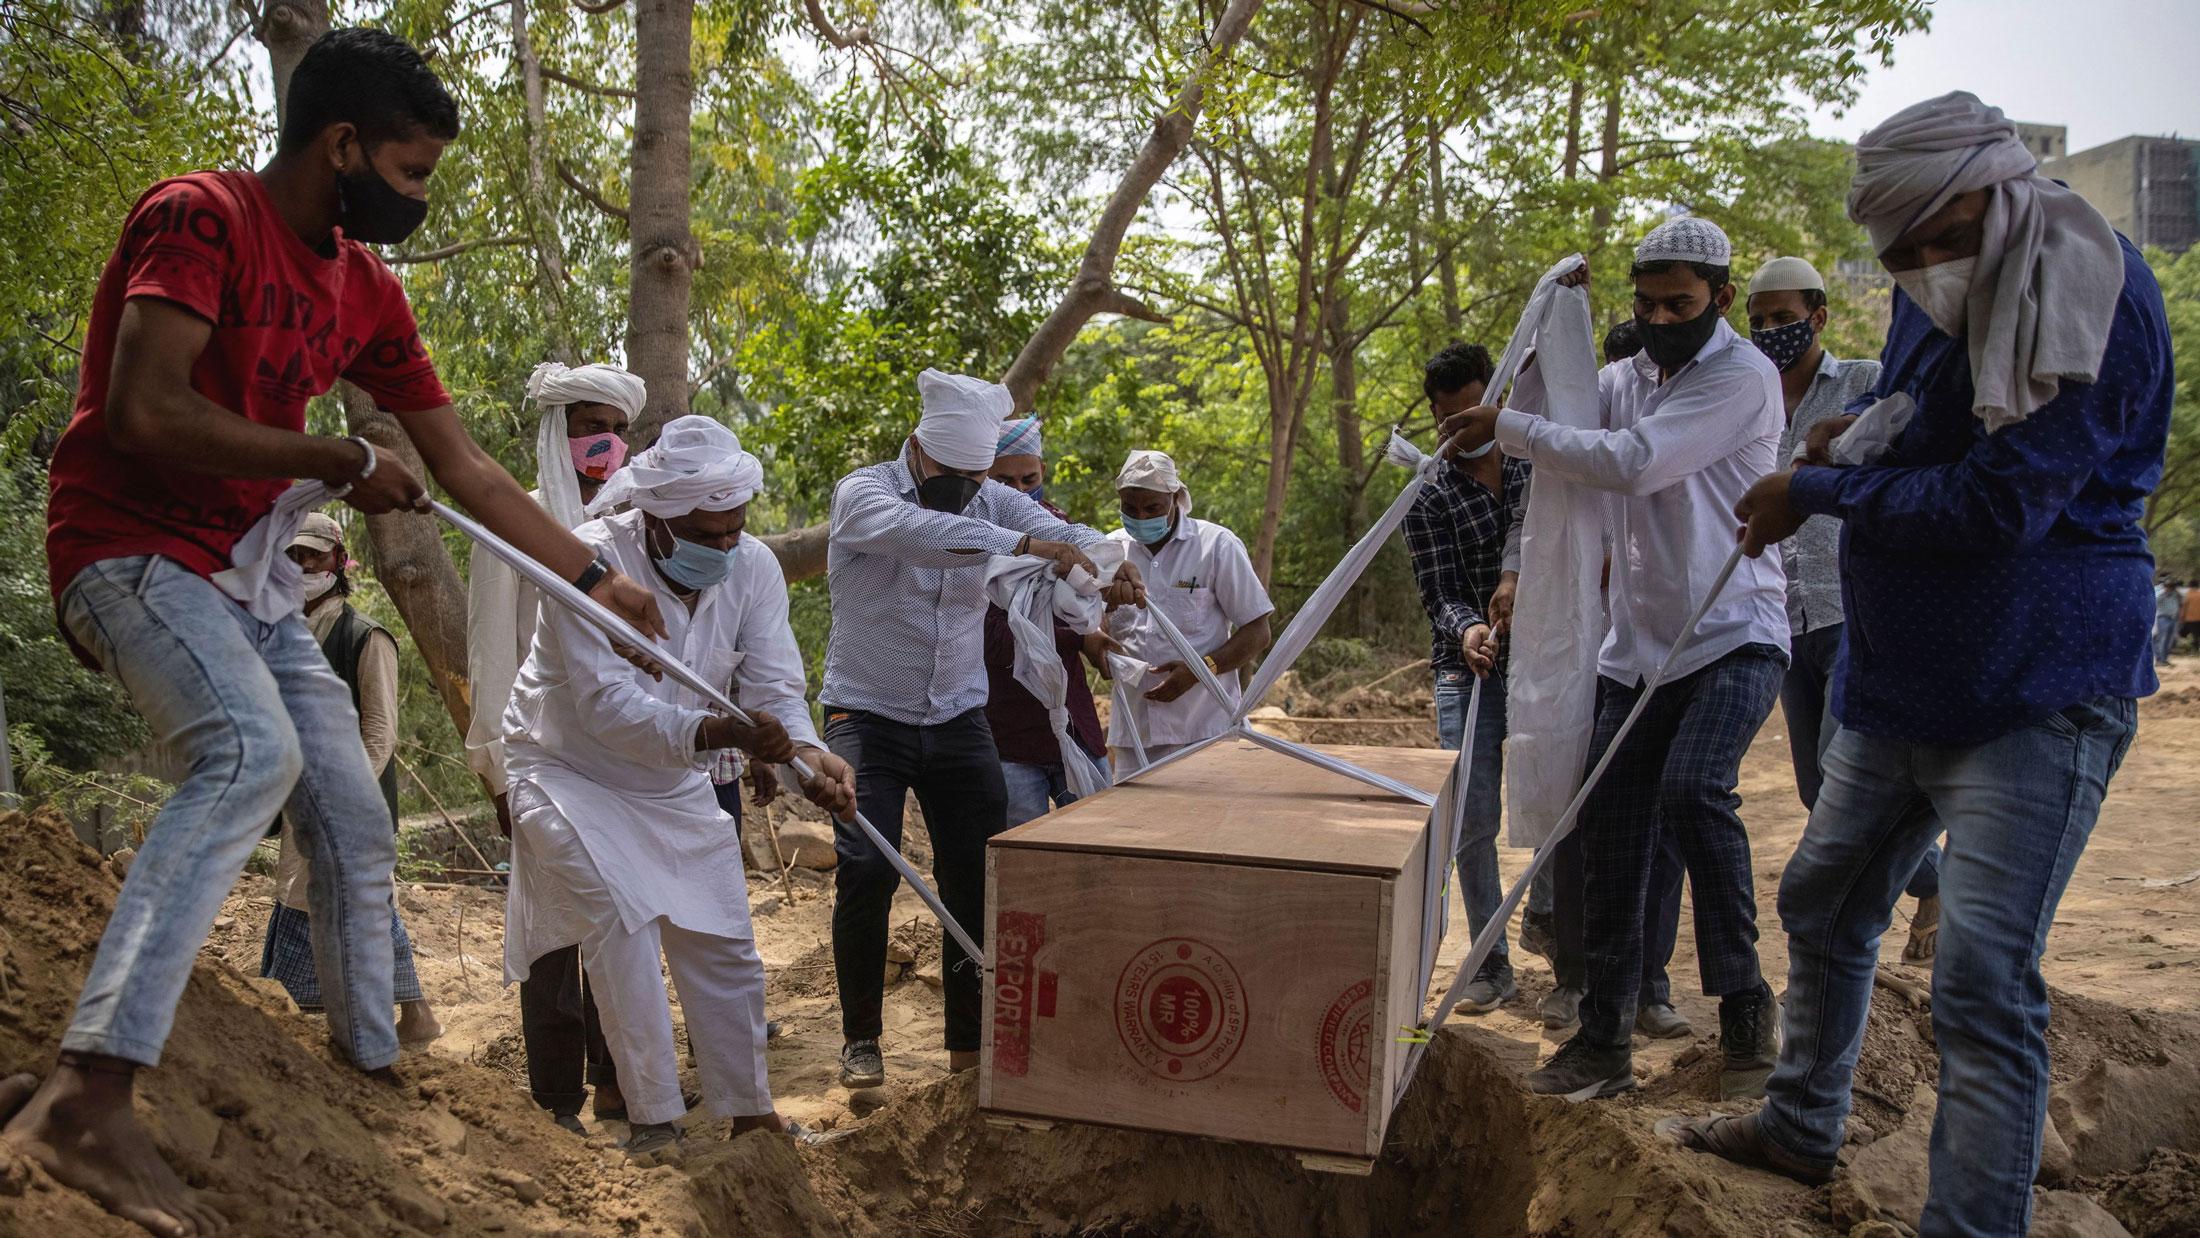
<point>1228,948</point>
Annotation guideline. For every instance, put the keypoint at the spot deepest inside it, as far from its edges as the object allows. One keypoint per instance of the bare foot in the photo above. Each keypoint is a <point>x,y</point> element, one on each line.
<point>610,1103</point>
<point>416,1023</point>
<point>80,1129</point>
<point>1924,941</point>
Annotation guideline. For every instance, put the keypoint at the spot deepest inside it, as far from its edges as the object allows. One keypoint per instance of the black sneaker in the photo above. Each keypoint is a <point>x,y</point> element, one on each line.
<point>1582,1071</point>
<point>1749,1035</point>
<point>1491,987</point>
<point>772,1029</point>
<point>860,1065</point>
<point>1739,1138</point>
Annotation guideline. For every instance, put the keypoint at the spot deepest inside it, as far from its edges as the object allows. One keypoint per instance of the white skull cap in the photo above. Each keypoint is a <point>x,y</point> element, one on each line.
<point>1787,275</point>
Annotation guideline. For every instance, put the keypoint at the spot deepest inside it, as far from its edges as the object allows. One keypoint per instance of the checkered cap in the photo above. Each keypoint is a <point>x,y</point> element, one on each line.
<point>1686,238</point>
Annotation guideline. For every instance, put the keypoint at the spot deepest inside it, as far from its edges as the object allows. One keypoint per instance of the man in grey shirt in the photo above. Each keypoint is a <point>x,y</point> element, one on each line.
<point>1787,317</point>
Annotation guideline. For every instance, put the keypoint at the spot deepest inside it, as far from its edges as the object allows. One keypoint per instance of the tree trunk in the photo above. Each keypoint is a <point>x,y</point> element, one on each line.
<point>665,254</point>
<point>411,562</point>
<point>407,550</point>
<point>1447,267</point>
<point>1344,406</point>
<point>542,215</point>
<point>1607,164</point>
<point>1570,162</point>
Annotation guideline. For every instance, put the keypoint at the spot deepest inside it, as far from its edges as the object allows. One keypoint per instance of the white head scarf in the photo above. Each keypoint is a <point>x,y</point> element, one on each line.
<point>556,387</point>
<point>2044,290</point>
<point>1686,238</point>
<point>696,465</point>
<point>962,418</point>
<point>1153,470</point>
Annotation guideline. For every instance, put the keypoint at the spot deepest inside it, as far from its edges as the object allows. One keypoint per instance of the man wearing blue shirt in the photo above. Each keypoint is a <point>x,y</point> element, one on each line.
<point>1998,591</point>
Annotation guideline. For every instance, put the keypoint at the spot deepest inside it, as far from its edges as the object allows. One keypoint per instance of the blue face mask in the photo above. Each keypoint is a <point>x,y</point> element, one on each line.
<point>1038,493</point>
<point>692,565</point>
<point>1148,530</point>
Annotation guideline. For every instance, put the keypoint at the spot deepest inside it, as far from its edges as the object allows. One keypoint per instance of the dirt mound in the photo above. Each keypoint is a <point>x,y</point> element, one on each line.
<point>250,1102</point>
<point>1469,1154</point>
<point>2172,703</point>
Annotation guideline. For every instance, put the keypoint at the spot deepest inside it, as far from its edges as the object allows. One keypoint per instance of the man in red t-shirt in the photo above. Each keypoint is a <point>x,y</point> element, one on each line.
<point>232,299</point>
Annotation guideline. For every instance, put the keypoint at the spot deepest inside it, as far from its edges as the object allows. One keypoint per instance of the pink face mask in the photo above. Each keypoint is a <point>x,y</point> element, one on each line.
<point>597,456</point>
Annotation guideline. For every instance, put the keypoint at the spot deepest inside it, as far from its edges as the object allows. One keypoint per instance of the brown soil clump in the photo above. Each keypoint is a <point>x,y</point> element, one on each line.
<point>250,1102</point>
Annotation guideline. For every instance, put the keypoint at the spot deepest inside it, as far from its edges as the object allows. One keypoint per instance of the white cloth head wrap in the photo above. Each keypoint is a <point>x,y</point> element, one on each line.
<point>2044,290</point>
<point>1787,275</point>
<point>1019,438</point>
<point>962,418</point>
<point>696,465</point>
<point>1153,470</point>
<point>1686,238</point>
<point>555,387</point>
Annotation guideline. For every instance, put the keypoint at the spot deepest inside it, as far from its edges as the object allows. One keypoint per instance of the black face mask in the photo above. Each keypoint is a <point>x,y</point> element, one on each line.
<point>948,492</point>
<point>370,209</point>
<point>1675,344</point>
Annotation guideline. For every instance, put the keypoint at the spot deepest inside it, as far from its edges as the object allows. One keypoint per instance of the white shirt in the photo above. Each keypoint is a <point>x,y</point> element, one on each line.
<point>1677,456</point>
<point>1203,579</point>
<point>908,589</point>
<point>614,750</point>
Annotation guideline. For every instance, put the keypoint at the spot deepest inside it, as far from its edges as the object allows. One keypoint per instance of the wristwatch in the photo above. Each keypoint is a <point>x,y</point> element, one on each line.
<point>593,574</point>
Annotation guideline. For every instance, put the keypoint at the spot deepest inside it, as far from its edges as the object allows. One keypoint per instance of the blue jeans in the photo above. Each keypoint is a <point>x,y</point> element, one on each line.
<point>1806,697</point>
<point>264,726</point>
<point>2165,637</point>
<point>1479,887</point>
<point>1036,790</point>
<point>2018,810</point>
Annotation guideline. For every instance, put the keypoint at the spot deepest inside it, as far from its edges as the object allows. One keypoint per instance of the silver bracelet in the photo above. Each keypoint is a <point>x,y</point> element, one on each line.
<point>337,492</point>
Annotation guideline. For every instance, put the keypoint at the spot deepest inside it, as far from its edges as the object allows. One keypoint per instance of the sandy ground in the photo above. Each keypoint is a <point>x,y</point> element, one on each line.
<point>913,1158</point>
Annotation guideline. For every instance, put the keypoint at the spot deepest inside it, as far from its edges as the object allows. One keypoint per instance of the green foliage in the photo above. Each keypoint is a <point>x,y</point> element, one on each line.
<point>93,113</point>
<point>77,715</point>
<point>2173,514</point>
<point>131,800</point>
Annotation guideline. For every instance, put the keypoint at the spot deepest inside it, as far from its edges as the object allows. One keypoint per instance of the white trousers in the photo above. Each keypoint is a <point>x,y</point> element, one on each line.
<point>721,986</point>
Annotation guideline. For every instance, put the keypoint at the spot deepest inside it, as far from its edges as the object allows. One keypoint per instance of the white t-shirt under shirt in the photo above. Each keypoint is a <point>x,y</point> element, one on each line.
<point>1203,579</point>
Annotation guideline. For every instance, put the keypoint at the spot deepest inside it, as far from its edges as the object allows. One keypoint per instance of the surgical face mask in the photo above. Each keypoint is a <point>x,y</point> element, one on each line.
<point>1943,291</point>
<point>597,456</point>
<point>948,492</point>
<point>1785,345</point>
<point>370,209</point>
<point>692,565</point>
<point>315,585</point>
<point>1675,344</point>
<point>1149,530</point>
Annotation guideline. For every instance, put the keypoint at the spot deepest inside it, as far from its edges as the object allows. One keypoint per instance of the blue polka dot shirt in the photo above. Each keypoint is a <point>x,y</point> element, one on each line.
<point>1992,579</point>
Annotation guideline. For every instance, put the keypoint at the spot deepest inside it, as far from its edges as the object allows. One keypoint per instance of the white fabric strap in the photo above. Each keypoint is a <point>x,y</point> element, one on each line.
<point>1127,673</point>
<point>1026,589</point>
<point>262,577</point>
<point>621,632</point>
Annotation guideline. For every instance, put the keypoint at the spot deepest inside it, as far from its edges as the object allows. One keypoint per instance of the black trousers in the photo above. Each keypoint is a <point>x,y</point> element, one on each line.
<point>1661,927</point>
<point>956,772</point>
<point>557,1023</point>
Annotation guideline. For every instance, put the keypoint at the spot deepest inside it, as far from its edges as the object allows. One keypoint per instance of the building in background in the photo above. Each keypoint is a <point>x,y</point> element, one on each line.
<point>2044,141</point>
<point>2149,187</point>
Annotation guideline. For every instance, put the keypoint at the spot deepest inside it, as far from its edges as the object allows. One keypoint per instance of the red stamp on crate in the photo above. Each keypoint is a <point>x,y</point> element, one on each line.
<point>1180,1009</point>
<point>1020,990</point>
<point>1346,1047</point>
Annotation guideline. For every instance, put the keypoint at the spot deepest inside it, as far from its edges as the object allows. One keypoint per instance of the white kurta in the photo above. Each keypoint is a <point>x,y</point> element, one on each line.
<point>500,626</point>
<point>614,750</point>
<point>1204,580</point>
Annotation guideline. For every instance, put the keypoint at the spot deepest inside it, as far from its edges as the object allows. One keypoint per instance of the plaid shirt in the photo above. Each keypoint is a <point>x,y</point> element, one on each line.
<point>1462,537</point>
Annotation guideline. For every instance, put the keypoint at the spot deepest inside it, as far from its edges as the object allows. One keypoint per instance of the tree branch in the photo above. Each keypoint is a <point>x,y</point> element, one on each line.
<point>1171,132</point>
<point>456,248</point>
<point>1408,11</point>
<point>614,92</point>
<point>463,18</point>
<point>598,9</point>
<point>588,195</point>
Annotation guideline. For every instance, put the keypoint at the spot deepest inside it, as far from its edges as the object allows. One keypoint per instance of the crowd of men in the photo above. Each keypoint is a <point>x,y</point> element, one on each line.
<point>1935,514</point>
